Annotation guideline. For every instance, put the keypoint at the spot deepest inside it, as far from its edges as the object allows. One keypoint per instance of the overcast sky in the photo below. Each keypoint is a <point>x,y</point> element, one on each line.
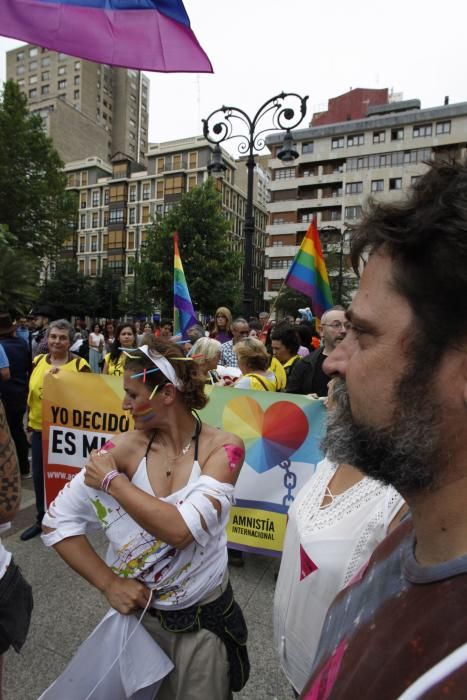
<point>260,47</point>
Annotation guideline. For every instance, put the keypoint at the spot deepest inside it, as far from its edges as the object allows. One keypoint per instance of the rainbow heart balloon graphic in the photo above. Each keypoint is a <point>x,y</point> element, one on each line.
<point>270,436</point>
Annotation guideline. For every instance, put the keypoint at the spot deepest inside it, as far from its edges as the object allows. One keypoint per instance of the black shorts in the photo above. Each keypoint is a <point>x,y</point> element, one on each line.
<point>15,608</point>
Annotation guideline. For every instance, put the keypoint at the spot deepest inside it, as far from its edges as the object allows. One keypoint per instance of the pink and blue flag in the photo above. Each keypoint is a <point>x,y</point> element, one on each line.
<point>153,35</point>
<point>184,313</point>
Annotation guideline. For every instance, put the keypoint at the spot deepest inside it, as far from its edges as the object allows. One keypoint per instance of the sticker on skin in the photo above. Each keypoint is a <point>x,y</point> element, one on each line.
<point>235,455</point>
<point>106,447</point>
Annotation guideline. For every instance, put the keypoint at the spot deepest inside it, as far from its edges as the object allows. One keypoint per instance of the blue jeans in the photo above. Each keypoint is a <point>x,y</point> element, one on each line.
<point>38,474</point>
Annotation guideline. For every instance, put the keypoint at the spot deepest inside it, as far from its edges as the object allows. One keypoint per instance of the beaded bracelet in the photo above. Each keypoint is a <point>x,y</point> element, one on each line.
<point>109,477</point>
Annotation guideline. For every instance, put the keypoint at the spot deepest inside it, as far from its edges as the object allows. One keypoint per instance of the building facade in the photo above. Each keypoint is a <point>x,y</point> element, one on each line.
<point>341,164</point>
<point>119,201</point>
<point>87,108</point>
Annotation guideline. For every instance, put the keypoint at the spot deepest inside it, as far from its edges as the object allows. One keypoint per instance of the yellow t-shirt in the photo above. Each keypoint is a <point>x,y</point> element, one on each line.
<point>41,366</point>
<point>279,371</point>
<point>117,367</point>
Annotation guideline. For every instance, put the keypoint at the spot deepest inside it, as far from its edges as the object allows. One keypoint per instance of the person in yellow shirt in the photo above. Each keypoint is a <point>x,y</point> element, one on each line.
<point>285,343</point>
<point>58,359</point>
<point>125,339</point>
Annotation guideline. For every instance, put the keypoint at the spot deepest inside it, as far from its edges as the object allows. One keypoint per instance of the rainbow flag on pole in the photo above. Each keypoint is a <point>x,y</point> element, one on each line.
<point>184,313</point>
<point>150,35</point>
<point>308,273</point>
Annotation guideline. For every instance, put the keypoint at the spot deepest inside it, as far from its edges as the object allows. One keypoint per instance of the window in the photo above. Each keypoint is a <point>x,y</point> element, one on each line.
<point>420,131</point>
<point>33,52</point>
<point>353,212</point>
<point>177,161</point>
<point>280,263</point>
<point>284,173</point>
<point>116,216</point>
<point>95,219</point>
<point>32,79</point>
<point>81,266</point>
<point>132,216</point>
<point>77,65</point>
<point>33,92</point>
<point>93,270</point>
<point>62,56</point>
<point>93,244</point>
<point>45,61</point>
<point>131,240</point>
<point>160,165</point>
<point>84,178</point>
<point>76,95</point>
<point>354,187</point>
<point>308,147</point>
<point>443,127</point>
<point>20,83</point>
<point>159,189</point>
<point>33,65</point>
<point>174,185</point>
<point>61,84</point>
<point>356,140</point>
<point>82,223</point>
<point>397,134</point>
<point>192,160</point>
<point>77,80</point>
<point>106,197</point>
<point>377,185</point>
<point>395,183</point>
<point>379,136</point>
<point>45,75</point>
<point>19,70</point>
<point>82,243</point>
<point>132,193</point>
<point>146,190</point>
<point>145,215</point>
<point>61,70</point>
<point>337,142</point>
<point>20,56</point>
<point>192,182</point>
<point>414,179</point>
<point>131,265</point>
<point>95,198</point>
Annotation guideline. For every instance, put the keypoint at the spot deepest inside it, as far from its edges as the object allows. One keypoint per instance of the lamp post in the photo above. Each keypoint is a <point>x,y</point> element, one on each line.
<point>286,111</point>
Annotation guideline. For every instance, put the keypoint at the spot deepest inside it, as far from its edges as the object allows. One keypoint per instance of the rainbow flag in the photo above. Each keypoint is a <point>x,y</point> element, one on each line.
<point>143,34</point>
<point>308,273</point>
<point>184,313</point>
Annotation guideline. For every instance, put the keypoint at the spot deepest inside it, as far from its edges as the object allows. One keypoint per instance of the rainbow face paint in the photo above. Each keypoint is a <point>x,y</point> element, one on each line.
<point>143,409</point>
<point>234,454</point>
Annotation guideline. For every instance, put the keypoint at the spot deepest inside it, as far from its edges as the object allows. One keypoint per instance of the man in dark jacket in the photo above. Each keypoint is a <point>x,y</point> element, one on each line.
<point>307,376</point>
<point>14,392</point>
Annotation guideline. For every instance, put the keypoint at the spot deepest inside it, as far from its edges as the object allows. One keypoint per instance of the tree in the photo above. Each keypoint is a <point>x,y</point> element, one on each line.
<point>18,274</point>
<point>68,292</point>
<point>289,302</point>
<point>34,203</point>
<point>106,295</point>
<point>211,267</point>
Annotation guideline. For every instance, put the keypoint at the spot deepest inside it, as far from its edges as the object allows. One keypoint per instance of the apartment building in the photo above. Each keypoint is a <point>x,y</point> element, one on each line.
<point>118,202</point>
<point>87,108</point>
<point>341,164</point>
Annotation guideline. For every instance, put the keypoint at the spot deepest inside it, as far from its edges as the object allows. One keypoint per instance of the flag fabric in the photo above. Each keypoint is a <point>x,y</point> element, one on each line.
<point>184,313</point>
<point>152,35</point>
<point>308,273</point>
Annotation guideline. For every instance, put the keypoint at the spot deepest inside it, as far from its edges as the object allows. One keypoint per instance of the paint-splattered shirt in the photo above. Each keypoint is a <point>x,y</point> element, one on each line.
<point>391,625</point>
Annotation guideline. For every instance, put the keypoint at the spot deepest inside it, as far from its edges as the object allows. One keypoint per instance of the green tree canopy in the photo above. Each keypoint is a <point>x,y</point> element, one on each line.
<point>33,201</point>
<point>18,274</point>
<point>211,267</point>
<point>68,292</point>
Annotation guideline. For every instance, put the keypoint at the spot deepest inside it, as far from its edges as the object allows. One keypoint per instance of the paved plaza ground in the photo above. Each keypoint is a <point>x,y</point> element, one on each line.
<point>67,609</point>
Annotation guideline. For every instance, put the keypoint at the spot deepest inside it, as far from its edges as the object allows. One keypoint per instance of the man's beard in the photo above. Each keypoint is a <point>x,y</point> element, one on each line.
<point>406,454</point>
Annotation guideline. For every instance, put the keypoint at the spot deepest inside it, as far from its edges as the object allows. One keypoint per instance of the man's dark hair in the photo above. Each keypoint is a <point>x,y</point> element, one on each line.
<point>426,237</point>
<point>288,336</point>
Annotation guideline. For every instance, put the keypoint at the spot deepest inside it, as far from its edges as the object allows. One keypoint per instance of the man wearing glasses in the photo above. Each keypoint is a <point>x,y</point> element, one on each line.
<point>307,376</point>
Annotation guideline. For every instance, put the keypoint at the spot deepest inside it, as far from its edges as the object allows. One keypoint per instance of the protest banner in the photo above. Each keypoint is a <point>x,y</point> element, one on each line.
<point>281,432</point>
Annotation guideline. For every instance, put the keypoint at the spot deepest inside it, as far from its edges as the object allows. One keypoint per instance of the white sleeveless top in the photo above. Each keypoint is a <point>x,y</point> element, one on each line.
<point>179,577</point>
<point>323,550</point>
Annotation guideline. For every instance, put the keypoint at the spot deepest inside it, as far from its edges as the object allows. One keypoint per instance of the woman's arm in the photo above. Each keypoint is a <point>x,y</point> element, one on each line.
<point>124,595</point>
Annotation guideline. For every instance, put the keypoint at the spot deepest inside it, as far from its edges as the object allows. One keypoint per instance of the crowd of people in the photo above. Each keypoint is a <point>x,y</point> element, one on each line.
<point>370,591</point>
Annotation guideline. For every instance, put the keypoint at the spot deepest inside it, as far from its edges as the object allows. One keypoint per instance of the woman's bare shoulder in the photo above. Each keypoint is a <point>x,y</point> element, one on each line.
<point>128,449</point>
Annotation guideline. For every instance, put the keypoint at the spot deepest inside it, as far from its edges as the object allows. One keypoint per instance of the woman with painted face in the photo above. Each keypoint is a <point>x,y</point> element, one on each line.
<point>125,339</point>
<point>166,488</point>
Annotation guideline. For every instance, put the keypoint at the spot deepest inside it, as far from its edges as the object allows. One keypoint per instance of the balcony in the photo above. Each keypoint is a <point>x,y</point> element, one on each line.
<point>281,251</point>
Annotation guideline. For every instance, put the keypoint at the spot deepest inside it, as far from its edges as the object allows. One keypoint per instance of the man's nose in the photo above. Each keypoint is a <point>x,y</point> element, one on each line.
<point>336,363</point>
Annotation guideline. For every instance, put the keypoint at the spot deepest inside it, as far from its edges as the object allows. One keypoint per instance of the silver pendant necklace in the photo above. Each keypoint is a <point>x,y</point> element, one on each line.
<point>182,453</point>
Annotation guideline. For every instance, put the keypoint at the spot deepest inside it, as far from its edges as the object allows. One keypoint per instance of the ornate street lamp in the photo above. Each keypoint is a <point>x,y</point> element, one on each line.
<point>286,111</point>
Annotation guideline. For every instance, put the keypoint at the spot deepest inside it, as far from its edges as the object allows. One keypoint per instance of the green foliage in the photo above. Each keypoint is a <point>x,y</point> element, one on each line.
<point>18,274</point>
<point>33,201</point>
<point>289,302</point>
<point>211,267</point>
<point>133,300</point>
<point>106,295</point>
<point>68,292</point>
